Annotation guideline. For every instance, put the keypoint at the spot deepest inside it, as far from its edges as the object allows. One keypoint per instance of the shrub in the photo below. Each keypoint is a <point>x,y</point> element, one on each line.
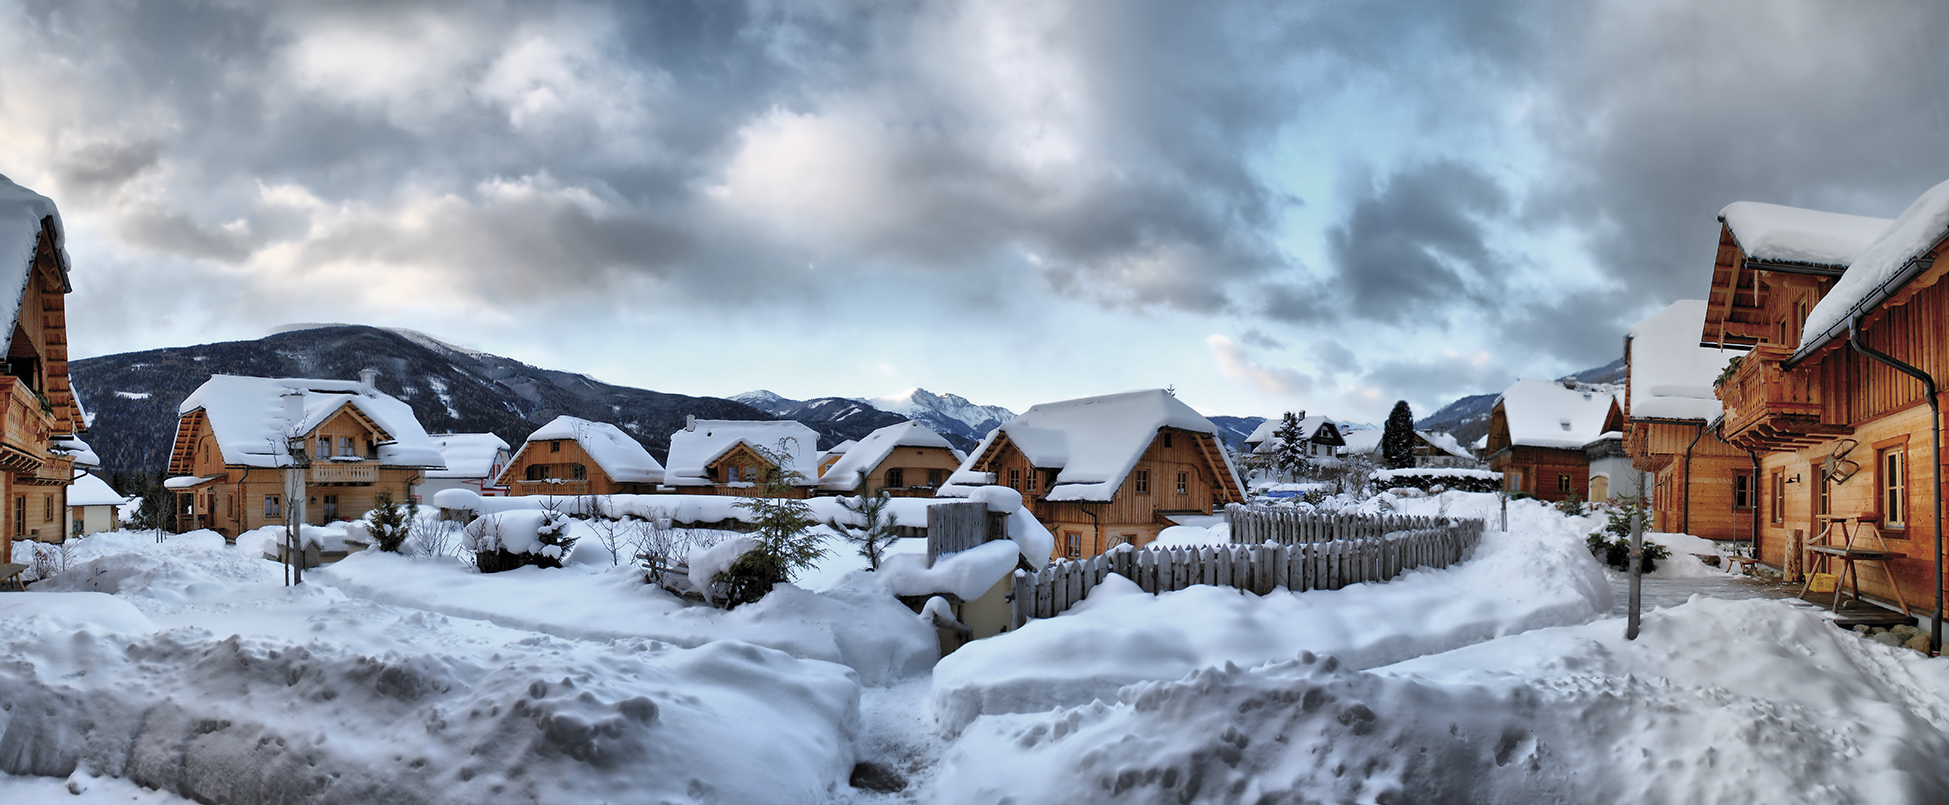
<point>389,522</point>
<point>514,539</point>
<point>1612,543</point>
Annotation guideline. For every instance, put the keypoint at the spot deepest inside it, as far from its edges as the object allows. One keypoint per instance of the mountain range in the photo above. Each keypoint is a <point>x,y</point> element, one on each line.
<point>961,422</point>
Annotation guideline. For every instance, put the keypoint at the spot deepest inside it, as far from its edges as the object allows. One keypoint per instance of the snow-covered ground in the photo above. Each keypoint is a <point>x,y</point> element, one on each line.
<point>190,666</point>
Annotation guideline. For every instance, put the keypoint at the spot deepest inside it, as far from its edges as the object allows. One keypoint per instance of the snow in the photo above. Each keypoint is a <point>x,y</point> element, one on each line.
<point>83,455</point>
<point>1671,375</point>
<point>1385,476</point>
<point>705,440</point>
<point>921,404</point>
<point>1266,439</point>
<point>706,561</point>
<point>1542,413</point>
<point>134,395</point>
<point>1093,441</point>
<point>468,455</point>
<point>189,667</point>
<point>866,455</point>
<point>21,211</point>
<point>516,532</point>
<point>1779,234</point>
<point>247,415</point>
<point>965,575</point>
<point>89,489</point>
<point>622,458</point>
<point>1867,280</point>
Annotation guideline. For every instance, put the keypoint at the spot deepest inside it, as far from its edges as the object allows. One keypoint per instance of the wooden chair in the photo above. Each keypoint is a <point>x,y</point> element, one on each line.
<point>1839,541</point>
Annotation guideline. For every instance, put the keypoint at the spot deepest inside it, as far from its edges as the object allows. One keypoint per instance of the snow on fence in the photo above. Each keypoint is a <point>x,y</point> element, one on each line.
<point>1297,565</point>
<point>1254,525</point>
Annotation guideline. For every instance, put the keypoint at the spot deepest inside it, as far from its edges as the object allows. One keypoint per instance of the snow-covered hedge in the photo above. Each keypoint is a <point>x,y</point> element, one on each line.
<point>1428,478</point>
<point>508,540</point>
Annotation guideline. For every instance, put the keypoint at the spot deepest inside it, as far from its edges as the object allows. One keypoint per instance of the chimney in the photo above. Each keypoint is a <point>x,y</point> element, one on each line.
<point>367,377</point>
<point>690,423</point>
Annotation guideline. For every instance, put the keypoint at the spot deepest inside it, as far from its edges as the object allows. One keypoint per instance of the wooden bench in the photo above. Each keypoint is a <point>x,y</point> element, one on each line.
<point>11,572</point>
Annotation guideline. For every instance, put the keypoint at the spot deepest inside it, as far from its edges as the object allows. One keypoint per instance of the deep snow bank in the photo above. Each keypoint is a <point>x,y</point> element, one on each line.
<point>1541,576</point>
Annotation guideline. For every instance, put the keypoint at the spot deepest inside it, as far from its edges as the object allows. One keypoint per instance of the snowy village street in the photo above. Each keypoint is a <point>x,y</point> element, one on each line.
<point>1501,679</point>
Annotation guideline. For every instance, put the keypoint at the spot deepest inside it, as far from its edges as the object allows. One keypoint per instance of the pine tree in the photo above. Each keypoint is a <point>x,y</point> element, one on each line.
<point>1290,456</point>
<point>875,529</point>
<point>786,543</point>
<point>388,522</point>
<point>1397,439</point>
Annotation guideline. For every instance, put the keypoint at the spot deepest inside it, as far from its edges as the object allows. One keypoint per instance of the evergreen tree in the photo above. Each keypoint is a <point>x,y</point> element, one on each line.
<point>786,543</point>
<point>388,522</point>
<point>1397,439</point>
<point>1289,458</point>
<point>875,529</point>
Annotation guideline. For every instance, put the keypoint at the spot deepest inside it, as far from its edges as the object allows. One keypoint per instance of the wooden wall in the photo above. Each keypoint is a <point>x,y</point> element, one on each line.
<point>560,457</point>
<point>1129,516</point>
<point>1540,468</point>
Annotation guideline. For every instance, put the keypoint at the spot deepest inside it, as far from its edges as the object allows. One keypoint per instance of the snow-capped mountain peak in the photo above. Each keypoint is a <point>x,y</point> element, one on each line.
<point>944,413</point>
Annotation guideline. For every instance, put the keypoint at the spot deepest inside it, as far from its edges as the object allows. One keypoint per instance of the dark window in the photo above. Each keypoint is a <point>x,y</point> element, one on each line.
<point>537,472</point>
<point>1167,438</point>
<point>1563,483</point>
<point>49,500</point>
<point>578,472</point>
<point>331,508</point>
<point>1779,512</point>
<point>1143,482</point>
<point>270,506</point>
<point>555,446</point>
<point>1742,491</point>
<point>936,477</point>
<point>1015,479</point>
<point>896,478</point>
<point>1033,477</point>
<point>20,515</point>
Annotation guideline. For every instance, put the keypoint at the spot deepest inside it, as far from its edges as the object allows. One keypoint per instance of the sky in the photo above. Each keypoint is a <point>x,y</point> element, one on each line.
<point>1275,206</point>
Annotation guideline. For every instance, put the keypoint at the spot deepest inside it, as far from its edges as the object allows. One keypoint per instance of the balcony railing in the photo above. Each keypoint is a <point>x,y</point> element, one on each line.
<point>27,426</point>
<point>1771,408</point>
<point>343,472</point>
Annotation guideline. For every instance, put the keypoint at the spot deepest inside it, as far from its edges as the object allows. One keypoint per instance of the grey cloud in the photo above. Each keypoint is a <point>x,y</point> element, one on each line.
<point>1429,383</point>
<point>1418,243</point>
<point>99,168</point>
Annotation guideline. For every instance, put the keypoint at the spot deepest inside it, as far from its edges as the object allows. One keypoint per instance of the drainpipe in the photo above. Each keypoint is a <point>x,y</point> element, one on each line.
<point>1095,524</point>
<point>1685,517</point>
<point>1935,460</point>
<point>1753,492</point>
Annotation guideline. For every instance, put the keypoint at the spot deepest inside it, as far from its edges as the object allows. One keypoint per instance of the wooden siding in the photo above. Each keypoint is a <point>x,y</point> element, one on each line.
<point>39,403</point>
<point>1541,467</point>
<point>915,464</point>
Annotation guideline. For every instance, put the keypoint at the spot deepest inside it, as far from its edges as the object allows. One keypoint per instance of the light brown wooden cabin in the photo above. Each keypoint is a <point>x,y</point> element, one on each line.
<point>1796,414</point>
<point>562,467</point>
<point>1180,472</point>
<point>1701,484</point>
<point>1548,473</point>
<point>39,402</point>
<point>342,482</point>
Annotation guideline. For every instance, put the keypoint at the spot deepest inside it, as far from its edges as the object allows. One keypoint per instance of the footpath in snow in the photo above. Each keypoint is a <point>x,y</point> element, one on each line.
<point>189,667</point>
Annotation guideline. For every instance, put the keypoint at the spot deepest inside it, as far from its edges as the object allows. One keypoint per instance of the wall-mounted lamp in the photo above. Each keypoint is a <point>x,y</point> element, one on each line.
<point>1795,479</point>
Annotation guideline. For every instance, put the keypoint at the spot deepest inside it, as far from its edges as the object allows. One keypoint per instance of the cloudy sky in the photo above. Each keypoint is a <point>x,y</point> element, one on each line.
<point>1273,206</point>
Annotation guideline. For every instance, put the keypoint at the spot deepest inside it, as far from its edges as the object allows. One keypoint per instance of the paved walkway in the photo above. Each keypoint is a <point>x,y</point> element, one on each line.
<point>1671,592</point>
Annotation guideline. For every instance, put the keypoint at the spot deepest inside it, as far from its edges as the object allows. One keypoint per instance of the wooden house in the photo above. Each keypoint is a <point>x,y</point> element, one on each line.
<point>236,435</point>
<point>905,459</point>
<point>1842,437</point>
<point>1540,432</point>
<point>730,456</point>
<point>37,447</point>
<point>1103,471</point>
<point>93,506</point>
<point>1701,484</point>
<point>474,462</point>
<point>1431,448</point>
<point>575,456</point>
<point>1321,438</point>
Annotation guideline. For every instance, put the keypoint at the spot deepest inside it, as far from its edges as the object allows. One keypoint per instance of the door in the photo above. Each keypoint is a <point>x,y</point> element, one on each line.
<point>331,509</point>
<point>1600,489</point>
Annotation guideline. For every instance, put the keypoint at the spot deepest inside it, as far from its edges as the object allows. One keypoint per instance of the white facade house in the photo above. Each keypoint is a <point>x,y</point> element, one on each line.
<point>93,506</point>
<point>474,462</point>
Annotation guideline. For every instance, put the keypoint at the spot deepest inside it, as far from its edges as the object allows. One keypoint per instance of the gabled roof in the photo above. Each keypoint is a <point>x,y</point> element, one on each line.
<point>468,455</point>
<point>622,458</point>
<point>1883,268</point>
<point>867,454</point>
<point>247,417</point>
<point>1671,375</point>
<point>1774,233</point>
<point>1094,441</point>
<point>1542,413</point>
<point>21,214</point>
<point>88,489</point>
<point>694,448</point>
<point>1368,440</point>
<point>1314,428</point>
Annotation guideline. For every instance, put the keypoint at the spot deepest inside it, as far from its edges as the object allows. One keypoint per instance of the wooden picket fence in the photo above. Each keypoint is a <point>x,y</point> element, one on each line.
<point>1254,525</point>
<point>1261,568</point>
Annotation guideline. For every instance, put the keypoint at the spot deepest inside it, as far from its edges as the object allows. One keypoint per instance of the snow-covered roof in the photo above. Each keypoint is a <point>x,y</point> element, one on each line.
<point>468,455</point>
<point>1444,442</point>
<point>88,489</point>
<point>84,456</point>
<point>843,476</point>
<point>1094,441</point>
<point>1369,441</point>
<point>1777,234</point>
<point>1671,375</point>
<point>1266,434</point>
<point>1542,413</point>
<point>705,440</point>
<point>622,458</point>
<point>21,211</point>
<point>1878,272</point>
<point>247,416</point>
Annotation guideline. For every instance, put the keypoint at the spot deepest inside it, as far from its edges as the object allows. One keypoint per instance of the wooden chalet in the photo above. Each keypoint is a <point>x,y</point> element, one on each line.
<point>37,430</point>
<point>1541,434</point>
<point>574,456</point>
<point>1321,436</point>
<point>1843,439</point>
<point>905,459</point>
<point>93,505</point>
<point>731,456</point>
<point>1103,471</point>
<point>235,436</point>
<point>1701,484</point>
<point>1431,448</point>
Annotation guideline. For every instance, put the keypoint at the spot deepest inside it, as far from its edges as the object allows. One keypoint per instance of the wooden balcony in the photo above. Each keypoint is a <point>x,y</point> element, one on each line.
<point>23,443</point>
<point>1771,408</point>
<point>343,472</point>
<point>549,486</point>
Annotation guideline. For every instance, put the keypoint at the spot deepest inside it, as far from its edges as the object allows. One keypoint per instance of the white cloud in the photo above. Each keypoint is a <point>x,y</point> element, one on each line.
<point>1239,368</point>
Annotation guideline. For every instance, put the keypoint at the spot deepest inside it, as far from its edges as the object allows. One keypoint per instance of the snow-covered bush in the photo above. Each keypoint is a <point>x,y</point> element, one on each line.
<point>508,540</point>
<point>388,523</point>
<point>1612,543</point>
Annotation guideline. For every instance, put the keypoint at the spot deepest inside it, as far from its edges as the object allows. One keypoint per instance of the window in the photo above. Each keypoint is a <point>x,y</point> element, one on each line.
<point>555,446</point>
<point>578,472</point>
<point>936,477</point>
<point>1033,477</point>
<point>1778,514</point>
<point>1563,483</point>
<point>1143,482</point>
<point>1167,438</point>
<point>49,500</point>
<point>271,506</point>
<point>1742,491</point>
<point>345,447</point>
<point>324,447</point>
<point>897,478</point>
<point>1823,496</point>
<point>1072,544</point>
<point>331,509</point>
<point>1512,481</point>
<point>1892,465</point>
<point>1015,479</point>
<point>537,472</point>
<point>20,515</point>
<point>230,505</point>
<point>1184,483</point>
